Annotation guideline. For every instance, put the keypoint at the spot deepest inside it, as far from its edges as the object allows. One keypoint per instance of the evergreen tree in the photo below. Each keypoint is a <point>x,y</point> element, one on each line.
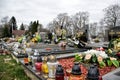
<point>33,27</point>
<point>5,31</point>
<point>13,23</point>
<point>37,22</point>
<point>22,27</point>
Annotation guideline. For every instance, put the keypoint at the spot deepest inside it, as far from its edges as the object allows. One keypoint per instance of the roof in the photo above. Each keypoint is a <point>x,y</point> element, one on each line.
<point>18,32</point>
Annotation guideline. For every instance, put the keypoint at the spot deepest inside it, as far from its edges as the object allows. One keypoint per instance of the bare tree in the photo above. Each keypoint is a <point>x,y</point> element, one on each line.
<point>62,21</point>
<point>70,24</point>
<point>93,29</point>
<point>4,20</point>
<point>80,20</point>
<point>53,25</point>
<point>112,15</point>
<point>102,26</point>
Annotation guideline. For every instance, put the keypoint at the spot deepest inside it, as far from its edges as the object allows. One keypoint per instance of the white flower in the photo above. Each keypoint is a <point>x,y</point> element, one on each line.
<point>103,54</point>
<point>97,53</point>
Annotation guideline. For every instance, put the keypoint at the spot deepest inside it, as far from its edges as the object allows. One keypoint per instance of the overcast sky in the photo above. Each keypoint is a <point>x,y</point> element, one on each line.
<point>45,10</point>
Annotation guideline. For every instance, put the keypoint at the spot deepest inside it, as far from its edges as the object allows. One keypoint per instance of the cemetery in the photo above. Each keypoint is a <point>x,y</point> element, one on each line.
<point>56,60</point>
<point>74,46</point>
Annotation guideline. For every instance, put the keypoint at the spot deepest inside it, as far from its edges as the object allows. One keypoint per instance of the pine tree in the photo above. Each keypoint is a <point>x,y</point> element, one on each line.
<point>22,27</point>
<point>33,27</point>
<point>13,23</point>
<point>5,31</point>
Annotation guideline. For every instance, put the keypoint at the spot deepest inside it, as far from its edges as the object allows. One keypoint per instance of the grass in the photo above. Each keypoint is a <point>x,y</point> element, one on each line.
<point>11,70</point>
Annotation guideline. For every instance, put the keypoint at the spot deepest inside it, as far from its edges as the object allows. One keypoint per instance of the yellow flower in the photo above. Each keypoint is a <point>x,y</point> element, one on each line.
<point>99,58</point>
<point>112,58</point>
<point>81,56</point>
<point>35,39</point>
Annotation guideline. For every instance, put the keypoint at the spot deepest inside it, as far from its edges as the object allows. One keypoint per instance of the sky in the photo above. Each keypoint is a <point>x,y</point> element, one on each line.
<point>46,10</point>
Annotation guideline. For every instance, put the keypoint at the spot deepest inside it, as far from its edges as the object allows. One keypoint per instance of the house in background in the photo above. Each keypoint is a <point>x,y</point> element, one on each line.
<point>18,33</point>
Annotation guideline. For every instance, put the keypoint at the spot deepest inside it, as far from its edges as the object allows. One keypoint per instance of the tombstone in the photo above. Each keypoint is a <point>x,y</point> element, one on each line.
<point>114,32</point>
